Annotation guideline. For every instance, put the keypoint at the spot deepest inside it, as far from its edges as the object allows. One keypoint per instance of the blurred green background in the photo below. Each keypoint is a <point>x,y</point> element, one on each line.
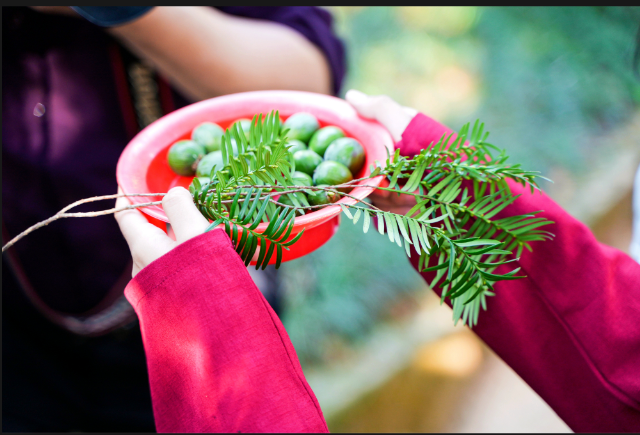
<point>546,81</point>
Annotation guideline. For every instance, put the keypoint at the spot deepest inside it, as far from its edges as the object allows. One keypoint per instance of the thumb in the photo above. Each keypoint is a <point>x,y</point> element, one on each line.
<point>383,109</point>
<point>185,219</point>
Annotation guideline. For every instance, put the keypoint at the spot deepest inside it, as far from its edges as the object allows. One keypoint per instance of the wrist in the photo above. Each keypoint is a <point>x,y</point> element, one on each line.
<point>420,133</point>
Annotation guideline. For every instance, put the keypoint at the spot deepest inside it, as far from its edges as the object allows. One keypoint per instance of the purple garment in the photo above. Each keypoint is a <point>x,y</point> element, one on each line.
<point>69,153</point>
<point>53,380</point>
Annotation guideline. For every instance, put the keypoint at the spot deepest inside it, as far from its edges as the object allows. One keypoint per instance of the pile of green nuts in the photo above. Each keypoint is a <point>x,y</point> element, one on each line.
<point>322,156</point>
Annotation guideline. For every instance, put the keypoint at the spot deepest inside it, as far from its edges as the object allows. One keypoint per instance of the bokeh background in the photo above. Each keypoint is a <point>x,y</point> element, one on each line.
<point>556,88</point>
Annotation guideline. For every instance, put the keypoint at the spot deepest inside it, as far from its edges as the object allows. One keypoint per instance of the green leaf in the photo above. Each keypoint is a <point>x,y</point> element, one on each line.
<point>254,247</point>
<point>213,225</point>
<point>243,240</point>
<point>246,248</point>
<point>479,242</point>
<point>256,222</point>
<point>421,260</point>
<point>493,265</point>
<point>285,225</point>
<point>380,219</point>
<point>295,239</point>
<point>415,234</point>
<point>507,276</point>
<point>417,207</point>
<point>275,222</point>
<point>434,220</point>
<point>452,256</point>
<point>415,178</point>
<point>394,177</point>
<point>441,272</point>
<point>396,232</point>
<point>477,294</point>
<point>346,211</point>
<point>403,229</point>
<point>234,205</point>
<point>196,184</point>
<point>357,216</point>
<point>234,234</point>
<point>272,247</point>
<point>530,227</point>
<point>425,237</point>
<point>437,267</point>
<point>278,255</point>
<point>466,267</point>
<point>407,248</point>
<point>223,149</point>
<point>451,192</point>
<point>389,221</point>
<point>367,221</point>
<point>245,204</point>
<point>461,290</point>
<point>254,205</point>
<point>261,255</point>
<point>441,184</point>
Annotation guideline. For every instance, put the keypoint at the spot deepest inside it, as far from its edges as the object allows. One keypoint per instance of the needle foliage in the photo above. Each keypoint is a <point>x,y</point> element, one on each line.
<point>459,184</point>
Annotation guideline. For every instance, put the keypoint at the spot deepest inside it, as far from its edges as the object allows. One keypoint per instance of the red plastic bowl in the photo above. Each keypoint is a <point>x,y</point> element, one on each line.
<point>143,166</point>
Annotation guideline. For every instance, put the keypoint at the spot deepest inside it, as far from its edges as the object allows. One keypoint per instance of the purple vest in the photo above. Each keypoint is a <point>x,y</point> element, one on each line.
<point>62,133</point>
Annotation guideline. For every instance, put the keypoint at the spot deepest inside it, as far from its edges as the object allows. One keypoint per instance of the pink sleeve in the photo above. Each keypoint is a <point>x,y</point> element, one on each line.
<point>219,360</point>
<point>571,329</point>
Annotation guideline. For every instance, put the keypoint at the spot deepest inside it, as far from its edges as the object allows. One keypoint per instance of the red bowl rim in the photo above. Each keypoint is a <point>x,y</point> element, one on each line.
<point>131,177</point>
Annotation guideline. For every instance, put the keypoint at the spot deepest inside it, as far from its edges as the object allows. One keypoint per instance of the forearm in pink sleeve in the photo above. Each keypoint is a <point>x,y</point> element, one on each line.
<point>219,359</point>
<point>571,329</point>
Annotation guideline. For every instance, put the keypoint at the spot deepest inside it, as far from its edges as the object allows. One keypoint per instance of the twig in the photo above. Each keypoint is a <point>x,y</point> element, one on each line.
<point>61,214</point>
<point>301,188</point>
<point>293,206</point>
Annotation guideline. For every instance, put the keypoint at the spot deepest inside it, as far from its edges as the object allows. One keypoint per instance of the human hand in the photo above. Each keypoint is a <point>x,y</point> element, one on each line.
<point>394,118</point>
<point>148,242</point>
<point>383,109</point>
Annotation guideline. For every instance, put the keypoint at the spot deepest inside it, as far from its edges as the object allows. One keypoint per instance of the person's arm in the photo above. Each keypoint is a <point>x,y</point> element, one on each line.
<point>207,53</point>
<point>571,329</point>
<point>218,357</point>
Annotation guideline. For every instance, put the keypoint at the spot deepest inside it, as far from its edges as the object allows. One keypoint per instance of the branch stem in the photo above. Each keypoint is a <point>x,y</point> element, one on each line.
<point>295,189</point>
<point>62,213</point>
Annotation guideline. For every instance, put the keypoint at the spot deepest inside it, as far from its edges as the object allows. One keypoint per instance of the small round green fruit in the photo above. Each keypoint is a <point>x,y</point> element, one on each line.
<point>301,126</point>
<point>302,179</point>
<point>295,145</point>
<point>321,197</point>
<point>331,173</point>
<point>306,161</point>
<point>183,157</point>
<point>347,151</point>
<point>208,162</point>
<point>322,138</point>
<point>208,135</point>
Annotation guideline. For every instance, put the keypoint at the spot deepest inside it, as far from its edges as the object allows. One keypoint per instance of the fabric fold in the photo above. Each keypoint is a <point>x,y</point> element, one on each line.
<point>218,357</point>
<point>570,329</point>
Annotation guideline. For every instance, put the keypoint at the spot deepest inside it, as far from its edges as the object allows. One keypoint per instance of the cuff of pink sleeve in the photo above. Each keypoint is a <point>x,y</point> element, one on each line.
<point>421,132</point>
<point>212,243</point>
